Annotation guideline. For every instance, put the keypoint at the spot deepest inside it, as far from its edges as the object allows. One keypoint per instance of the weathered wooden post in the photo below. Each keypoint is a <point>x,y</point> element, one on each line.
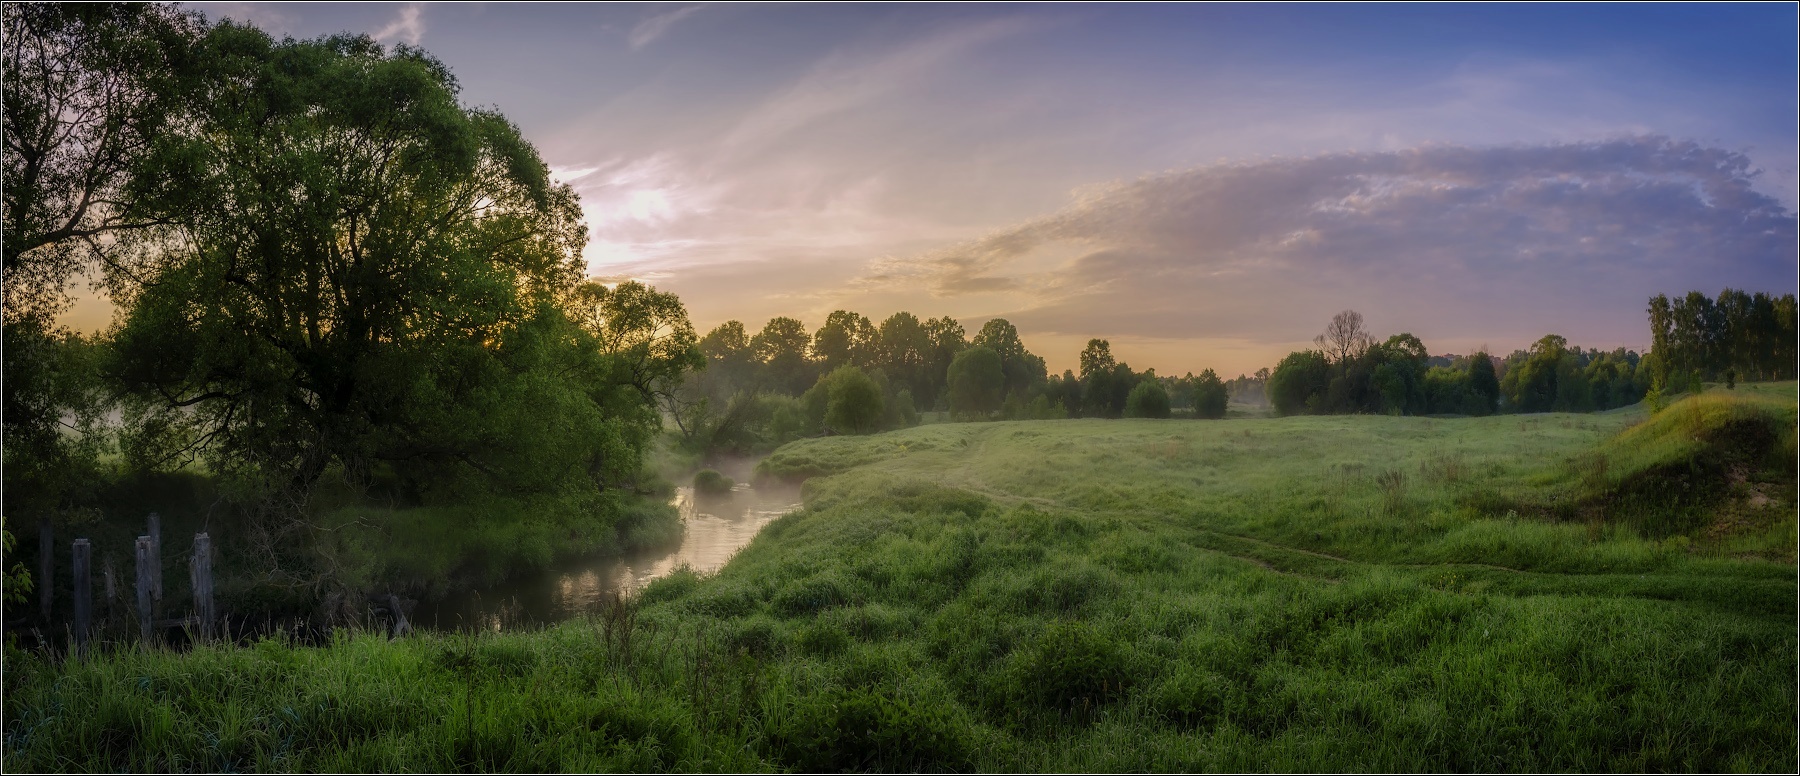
<point>401,626</point>
<point>112,587</point>
<point>84,593</point>
<point>201,569</point>
<point>46,580</point>
<point>156,589</point>
<point>143,586</point>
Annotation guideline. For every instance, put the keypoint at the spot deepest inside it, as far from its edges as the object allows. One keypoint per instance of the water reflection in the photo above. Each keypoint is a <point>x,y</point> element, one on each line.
<point>717,526</point>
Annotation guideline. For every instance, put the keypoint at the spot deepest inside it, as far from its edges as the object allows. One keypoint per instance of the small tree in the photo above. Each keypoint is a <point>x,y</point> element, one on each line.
<point>976,382</point>
<point>1210,396</point>
<point>855,402</point>
<point>1148,400</point>
<point>1299,382</point>
<point>1483,385</point>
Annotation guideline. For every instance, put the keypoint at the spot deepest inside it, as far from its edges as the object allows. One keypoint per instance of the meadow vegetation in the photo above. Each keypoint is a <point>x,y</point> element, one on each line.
<point>1315,593</point>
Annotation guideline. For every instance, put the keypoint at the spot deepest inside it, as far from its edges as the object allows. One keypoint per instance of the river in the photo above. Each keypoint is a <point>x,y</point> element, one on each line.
<point>717,526</point>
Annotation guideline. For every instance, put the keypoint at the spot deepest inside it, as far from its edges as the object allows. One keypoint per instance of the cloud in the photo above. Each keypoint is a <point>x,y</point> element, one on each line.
<point>648,30</point>
<point>852,78</point>
<point>1467,238</point>
<point>264,16</point>
<point>408,26</point>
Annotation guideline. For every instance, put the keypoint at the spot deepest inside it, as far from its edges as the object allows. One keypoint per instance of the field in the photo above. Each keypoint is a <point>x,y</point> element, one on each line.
<point>1602,592</point>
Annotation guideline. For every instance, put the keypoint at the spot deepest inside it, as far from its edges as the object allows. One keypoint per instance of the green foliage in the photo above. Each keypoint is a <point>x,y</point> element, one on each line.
<point>1147,400</point>
<point>711,481</point>
<point>1299,382</point>
<point>1022,370</point>
<point>854,404</point>
<point>1749,335</point>
<point>17,580</point>
<point>977,382</point>
<point>1210,397</point>
<point>53,411</point>
<point>90,88</point>
<point>390,278</point>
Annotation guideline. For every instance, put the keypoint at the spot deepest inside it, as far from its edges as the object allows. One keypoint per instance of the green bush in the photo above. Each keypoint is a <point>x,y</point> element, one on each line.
<point>711,481</point>
<point>1148,400</point>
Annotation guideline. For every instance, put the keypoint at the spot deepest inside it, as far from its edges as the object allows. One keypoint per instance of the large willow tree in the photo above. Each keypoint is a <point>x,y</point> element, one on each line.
<point>369,279</point>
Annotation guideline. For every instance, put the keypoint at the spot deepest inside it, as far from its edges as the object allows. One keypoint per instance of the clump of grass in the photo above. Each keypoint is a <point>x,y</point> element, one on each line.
<point>1393,490</point>
<point>1446,467</point>
<point>710,481</point>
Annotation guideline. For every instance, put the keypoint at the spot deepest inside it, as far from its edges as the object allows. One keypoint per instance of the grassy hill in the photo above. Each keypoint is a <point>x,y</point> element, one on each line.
<point>1543,592</point>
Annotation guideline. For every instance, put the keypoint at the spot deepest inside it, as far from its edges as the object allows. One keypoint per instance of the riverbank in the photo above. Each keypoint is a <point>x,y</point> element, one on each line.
<point>1339,593</point>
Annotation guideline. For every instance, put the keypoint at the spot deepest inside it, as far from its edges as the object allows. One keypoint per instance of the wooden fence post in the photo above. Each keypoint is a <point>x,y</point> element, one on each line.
<point>112,587</point>
<point>156,579</point>
<point>84,592</point>
<point>46,580</point>
<point>143,587</point>
<point>201,569</point>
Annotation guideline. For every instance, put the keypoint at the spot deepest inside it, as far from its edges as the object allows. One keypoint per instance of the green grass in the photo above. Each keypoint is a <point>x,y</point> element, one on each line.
<point>1318,593</point>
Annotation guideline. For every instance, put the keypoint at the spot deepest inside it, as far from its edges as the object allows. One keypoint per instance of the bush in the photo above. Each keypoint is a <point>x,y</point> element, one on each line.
<point>854,403</point>
<point>711,481</point>
<point>1147,400</point>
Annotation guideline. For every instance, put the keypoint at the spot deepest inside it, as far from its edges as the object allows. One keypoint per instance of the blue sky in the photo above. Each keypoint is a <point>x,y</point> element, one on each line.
<point>1203,185</point>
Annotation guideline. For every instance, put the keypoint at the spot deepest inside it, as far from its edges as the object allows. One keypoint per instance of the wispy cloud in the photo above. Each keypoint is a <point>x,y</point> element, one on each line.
<point>409,26</point>
<point>853,78</point>
<point>647,31</point>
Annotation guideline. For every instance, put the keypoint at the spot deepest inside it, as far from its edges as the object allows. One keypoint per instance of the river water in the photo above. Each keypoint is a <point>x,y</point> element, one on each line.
<point>717,526</point>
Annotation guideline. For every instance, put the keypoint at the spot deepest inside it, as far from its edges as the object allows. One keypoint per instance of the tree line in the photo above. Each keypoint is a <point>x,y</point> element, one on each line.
<point>853,376</point>
<point>1738,336</point>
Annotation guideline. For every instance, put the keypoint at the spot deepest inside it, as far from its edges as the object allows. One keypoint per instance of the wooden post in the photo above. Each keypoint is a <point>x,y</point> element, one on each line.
<point>46,580</point>
<point>401,626</point>
<point>201,569</point>
<point>84,592</point>
<point>143,586</point>
<point>112,587</point>
<point>156,586</point>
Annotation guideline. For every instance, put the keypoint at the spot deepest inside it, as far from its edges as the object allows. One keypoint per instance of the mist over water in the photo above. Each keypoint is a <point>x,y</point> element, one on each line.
<point>717,526</point>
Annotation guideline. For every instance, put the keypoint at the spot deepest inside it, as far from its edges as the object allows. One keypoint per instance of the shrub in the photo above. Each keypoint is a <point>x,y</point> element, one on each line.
<point>854,403</point>
<point>711,481</point>
<point>1147,400</point>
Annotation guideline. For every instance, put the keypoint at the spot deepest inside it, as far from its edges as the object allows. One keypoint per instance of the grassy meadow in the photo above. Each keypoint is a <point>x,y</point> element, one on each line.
<point>1603,592</point>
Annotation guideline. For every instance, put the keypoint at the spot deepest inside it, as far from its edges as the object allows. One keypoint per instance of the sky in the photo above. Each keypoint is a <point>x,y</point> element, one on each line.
<point>1202,185</point>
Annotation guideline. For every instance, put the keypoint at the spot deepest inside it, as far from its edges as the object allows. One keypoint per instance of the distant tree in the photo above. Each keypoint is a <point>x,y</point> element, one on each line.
<point>1096,358</point>
<point>1105,383</point>
<point>855,405</point>
<point>1210,397</point>
<point>846,338</point>
<point>1147,400</point>
<point>781,351</point>
<point>1662,340</point>
<point>1484,387</point>
<point>1299,382</point>
<point>903,350</point>
<point>1023,370</point>
<point>1065,393</point>
<point>947,339</point>
<point>1344,338</point>
<point>1532,385</point>
<point>977,384</point>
